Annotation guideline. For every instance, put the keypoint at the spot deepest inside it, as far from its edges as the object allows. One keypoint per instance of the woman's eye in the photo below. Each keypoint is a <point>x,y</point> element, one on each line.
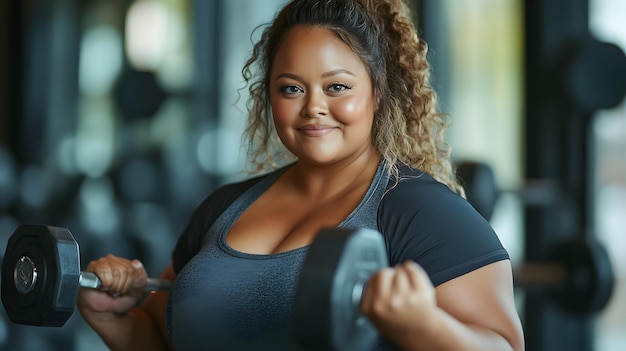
<point>337,87</point>
<point>290,89</point>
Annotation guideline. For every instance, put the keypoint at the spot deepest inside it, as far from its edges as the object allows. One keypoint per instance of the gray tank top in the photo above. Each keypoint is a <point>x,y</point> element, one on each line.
<point>224,299</point>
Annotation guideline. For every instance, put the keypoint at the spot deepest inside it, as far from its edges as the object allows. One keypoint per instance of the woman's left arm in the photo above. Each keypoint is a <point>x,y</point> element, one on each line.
<point>475,311</point>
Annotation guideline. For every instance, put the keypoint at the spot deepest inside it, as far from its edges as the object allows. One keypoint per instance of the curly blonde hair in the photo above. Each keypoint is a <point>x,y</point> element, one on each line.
<point>408,128</point>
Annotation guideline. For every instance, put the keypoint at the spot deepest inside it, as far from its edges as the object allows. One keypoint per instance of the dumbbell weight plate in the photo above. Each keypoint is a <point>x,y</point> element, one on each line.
<point>327,311</point>
<point>40,275</point>
<point>589,280</point>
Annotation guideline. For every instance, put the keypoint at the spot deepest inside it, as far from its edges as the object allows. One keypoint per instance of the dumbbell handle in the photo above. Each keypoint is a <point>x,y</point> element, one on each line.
<point>91,280</point>
<point>531,275</point>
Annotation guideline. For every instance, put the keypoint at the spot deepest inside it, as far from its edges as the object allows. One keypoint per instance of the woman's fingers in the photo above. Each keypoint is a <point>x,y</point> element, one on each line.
<point>123,284</point>
<point>118,275</point>
<point>418,278</point>
<point>395,297</point>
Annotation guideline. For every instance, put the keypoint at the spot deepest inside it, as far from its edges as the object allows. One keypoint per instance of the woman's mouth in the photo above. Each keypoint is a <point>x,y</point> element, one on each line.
<point>315,130</point>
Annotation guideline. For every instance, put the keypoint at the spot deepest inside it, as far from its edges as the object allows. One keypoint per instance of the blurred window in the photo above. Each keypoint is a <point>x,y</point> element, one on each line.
<point>476,53</point>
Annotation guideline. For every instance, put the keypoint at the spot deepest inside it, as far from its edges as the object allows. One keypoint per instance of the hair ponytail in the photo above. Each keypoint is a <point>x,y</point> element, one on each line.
<point>413,102</point>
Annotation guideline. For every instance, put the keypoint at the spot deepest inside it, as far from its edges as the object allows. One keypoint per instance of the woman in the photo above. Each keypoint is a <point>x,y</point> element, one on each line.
<point>344,121</point>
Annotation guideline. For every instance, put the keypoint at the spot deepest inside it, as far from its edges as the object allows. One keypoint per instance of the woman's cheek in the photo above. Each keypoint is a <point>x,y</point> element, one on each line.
<point>282,113</point>
<point>354,109</point>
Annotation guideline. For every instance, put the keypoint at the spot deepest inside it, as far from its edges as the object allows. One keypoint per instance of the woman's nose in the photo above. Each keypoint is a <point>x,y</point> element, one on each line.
<point>315,105</point>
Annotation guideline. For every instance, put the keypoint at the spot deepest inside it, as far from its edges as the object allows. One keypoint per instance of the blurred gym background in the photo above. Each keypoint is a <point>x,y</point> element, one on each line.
<point>118,116</point>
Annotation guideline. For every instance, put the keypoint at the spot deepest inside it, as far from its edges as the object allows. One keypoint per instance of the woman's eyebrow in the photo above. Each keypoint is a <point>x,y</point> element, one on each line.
<point>288,75</point>
<point>336,72</point>
<point>324,75</point>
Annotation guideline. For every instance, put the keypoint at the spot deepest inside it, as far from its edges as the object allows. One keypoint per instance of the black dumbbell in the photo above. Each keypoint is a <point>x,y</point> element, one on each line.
<point>41,276</point>
<point>481,190</point>
<point>577,275</point>
<point>327,311</point>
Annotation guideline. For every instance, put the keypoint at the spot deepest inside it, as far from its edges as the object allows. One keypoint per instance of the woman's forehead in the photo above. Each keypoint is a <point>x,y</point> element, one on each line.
<point>314,47</point>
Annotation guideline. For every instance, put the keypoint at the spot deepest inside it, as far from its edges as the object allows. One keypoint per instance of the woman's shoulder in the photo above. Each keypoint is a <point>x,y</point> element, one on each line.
<point>416,195</point>
<point>422,219</point>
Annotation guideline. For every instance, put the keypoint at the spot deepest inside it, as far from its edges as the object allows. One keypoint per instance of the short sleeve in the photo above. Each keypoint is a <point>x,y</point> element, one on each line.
<point>423,220</point>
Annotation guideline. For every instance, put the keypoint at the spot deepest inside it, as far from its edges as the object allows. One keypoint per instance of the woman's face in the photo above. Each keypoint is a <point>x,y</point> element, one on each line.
<point>322,97</point>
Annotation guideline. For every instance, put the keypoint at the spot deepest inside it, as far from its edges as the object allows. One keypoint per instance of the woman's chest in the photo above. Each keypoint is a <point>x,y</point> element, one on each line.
<point>275,224</point>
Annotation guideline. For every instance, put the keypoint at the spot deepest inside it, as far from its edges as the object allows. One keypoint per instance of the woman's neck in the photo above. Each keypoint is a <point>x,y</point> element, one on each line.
<point>330,180</point>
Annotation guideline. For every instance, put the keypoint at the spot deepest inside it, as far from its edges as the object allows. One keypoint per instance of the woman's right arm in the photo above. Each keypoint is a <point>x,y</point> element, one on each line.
<point>116,315</point>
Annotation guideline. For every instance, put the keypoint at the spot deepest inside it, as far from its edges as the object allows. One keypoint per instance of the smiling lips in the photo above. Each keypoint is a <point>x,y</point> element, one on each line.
<point>315,130</point>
